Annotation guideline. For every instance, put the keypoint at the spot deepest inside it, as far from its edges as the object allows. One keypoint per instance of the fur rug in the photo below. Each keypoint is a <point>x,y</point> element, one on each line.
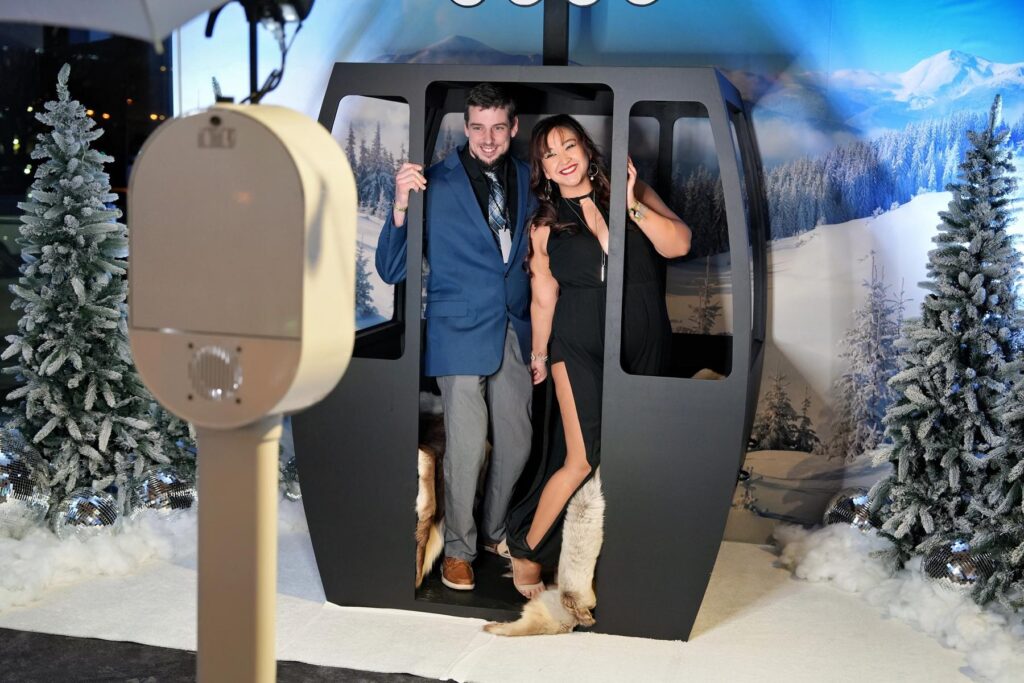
<point>707,373</point>
<point>561,608</point>
<point>429,495</point>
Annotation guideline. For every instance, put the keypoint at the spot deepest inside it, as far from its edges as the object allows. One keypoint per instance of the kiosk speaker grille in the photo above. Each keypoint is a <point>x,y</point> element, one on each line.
<point>215,373</point>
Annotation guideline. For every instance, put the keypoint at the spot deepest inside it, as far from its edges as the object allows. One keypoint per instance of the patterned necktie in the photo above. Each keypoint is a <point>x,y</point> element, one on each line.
<point>496,218</point>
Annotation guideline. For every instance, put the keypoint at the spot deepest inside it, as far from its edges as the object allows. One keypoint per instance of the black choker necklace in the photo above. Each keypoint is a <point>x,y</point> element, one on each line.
<point>576,201</point>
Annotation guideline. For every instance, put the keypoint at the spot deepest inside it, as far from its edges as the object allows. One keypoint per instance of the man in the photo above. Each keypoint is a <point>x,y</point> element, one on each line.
<point>477,316</point>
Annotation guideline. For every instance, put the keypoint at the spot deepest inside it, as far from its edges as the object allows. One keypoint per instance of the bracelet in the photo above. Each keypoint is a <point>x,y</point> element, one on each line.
<point>401,209</point>
<point>543,357</point>
<point>635,210</point>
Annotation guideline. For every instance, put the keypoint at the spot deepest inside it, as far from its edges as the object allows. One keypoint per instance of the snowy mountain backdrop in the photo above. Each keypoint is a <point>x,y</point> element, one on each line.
<point>846,104</point>
<point>460,50</point>
<point>948,81</point>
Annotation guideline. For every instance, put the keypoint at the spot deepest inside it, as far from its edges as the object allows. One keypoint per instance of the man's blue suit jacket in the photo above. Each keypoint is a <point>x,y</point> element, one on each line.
<point>471,294</point>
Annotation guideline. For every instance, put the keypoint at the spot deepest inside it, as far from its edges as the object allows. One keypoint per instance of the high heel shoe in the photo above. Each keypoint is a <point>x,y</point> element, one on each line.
<point>527,590</point>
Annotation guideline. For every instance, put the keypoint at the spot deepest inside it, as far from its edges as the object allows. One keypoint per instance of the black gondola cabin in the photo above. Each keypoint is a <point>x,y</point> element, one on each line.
<point>672,446</point>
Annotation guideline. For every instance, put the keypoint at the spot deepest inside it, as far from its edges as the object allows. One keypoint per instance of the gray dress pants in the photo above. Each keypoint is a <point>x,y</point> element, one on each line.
<point>471,404</point>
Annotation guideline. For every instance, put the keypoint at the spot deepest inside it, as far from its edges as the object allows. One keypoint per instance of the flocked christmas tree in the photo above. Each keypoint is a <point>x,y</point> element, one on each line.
<point>862,392</point>
<point>1003,505</point>
<point>944,428</point>
<point>81,405</point>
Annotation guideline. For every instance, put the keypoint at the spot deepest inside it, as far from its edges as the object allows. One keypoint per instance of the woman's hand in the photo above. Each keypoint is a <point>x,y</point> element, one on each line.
<point>539,370</point>
<point>630,183</point>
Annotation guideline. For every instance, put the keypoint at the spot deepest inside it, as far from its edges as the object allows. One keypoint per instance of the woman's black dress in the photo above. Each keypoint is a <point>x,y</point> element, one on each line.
<point>577,339</point>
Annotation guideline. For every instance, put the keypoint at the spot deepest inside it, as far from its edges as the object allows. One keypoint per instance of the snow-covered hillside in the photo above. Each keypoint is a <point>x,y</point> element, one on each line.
<point>815,283</point>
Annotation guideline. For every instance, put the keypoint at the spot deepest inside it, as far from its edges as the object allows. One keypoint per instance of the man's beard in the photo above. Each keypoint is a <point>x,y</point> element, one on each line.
<point>493,166</point>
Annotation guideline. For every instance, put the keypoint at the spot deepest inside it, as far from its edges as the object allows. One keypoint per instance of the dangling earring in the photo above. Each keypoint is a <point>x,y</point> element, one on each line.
<point>592,171</point>
<point>547,190</point>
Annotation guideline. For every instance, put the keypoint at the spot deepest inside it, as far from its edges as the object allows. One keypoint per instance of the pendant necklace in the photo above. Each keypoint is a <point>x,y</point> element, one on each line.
<point>572,204</point>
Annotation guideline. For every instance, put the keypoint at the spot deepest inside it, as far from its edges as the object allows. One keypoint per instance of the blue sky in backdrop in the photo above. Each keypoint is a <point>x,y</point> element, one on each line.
<point>822,35</point>
<point>893,36</point>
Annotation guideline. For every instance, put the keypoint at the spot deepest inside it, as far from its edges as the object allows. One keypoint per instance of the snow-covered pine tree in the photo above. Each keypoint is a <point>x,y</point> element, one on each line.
<point>775,426</point>
<point>350,150</point>
<point>1002,504</point>
<point>952,163</point>
<point>705,314</point>
<point>81,405</point>
<point>360,169</point>
<point>378,178</point>
<point>364,288</point>
<point>179,438</point>
<point>446,147</point>
<point>862,392</point>
<point>944,426</point>
<point>851,181</point>
<point>1017,132</point>
<point>805,438</point>
<point>699,199</point>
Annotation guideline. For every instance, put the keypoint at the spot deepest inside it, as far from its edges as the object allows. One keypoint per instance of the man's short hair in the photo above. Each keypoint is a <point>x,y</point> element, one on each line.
<point>490,96</point>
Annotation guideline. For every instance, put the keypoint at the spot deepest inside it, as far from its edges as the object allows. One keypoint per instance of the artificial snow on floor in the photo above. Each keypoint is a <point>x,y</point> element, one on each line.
<point>757,621</point>
<point>992,640</point>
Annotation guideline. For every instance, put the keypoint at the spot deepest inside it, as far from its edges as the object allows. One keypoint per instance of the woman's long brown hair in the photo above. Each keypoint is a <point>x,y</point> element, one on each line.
<point>547,212</point>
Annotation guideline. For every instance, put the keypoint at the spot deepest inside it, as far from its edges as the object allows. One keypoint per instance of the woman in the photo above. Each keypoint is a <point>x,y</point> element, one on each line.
<point>568,262</point>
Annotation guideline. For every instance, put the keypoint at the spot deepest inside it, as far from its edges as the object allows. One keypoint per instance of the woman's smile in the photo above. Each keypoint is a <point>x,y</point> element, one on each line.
<point>565,161</point>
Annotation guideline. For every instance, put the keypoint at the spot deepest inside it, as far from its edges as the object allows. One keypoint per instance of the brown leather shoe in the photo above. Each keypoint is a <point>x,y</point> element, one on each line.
<point>457,574</point>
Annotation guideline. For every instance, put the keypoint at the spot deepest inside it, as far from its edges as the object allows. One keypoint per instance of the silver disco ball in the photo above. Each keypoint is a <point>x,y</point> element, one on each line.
<point>163,488</point>
<point>23,502</point>
<point>85,513</point>
<point>954,565</point>
<point>290,480</point>
<point>849,506</point>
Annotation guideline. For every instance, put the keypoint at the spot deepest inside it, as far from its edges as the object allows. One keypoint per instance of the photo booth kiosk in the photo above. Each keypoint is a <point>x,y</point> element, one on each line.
<point>671,446</point>
<point>254,321</point>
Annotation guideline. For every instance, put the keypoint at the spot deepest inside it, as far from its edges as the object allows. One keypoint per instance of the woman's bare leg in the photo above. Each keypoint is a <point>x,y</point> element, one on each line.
<point>564,482</point>
<point>568,478</point>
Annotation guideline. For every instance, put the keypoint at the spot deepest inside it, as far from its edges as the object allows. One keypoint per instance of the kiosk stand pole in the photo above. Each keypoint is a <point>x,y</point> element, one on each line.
<point>238,489</point>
